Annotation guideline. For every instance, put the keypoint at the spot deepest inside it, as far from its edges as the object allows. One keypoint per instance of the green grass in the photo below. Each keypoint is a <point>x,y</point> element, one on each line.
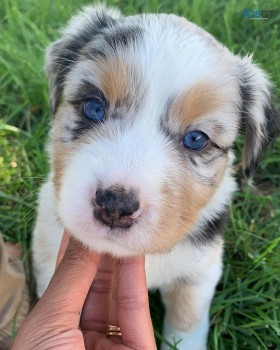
<point>245,313</point>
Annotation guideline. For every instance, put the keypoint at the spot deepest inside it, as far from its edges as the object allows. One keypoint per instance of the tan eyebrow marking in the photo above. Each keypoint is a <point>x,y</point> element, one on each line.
<point>114,79</point>
<point>203,98</point>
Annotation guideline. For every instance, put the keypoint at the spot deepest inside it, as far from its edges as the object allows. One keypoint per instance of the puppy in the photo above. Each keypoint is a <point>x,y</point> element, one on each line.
<point>146,112</point>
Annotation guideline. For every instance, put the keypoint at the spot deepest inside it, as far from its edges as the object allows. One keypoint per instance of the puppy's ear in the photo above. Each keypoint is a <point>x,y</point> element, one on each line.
<point>260,121</point>
<point>62,55</point>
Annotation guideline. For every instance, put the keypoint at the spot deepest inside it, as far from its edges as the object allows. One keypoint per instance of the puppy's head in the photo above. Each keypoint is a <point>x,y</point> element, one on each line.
<point>146,112</point>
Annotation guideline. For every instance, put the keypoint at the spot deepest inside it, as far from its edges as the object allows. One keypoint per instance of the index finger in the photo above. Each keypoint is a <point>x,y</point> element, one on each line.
<point>65,296</point>
<point>133,304</point>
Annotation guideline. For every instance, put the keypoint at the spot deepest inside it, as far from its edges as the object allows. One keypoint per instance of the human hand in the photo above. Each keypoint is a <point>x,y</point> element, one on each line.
<point>107,290</point>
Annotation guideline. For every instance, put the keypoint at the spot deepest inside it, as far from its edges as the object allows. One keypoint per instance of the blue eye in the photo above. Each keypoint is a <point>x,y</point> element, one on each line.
<point>94,110</point>
<point>195,140</point>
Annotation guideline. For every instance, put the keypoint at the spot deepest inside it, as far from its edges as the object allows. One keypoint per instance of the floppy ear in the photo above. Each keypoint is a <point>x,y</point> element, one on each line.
<point>260,121</point>
<point>62,55</point>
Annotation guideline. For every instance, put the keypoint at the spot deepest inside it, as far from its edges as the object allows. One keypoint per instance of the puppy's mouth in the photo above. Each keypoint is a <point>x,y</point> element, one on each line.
<point>114,219</point>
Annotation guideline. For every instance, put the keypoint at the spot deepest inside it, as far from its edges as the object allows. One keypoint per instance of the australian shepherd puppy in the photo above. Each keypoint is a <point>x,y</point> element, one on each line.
<point>146,110</point>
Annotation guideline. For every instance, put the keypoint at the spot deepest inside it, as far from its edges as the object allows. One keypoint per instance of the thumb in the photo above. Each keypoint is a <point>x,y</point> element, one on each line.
<point>71,282</point>
<point>57,312</point>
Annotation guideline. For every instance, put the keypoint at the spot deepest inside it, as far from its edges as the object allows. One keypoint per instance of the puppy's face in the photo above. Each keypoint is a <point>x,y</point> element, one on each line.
<point>146,113</point>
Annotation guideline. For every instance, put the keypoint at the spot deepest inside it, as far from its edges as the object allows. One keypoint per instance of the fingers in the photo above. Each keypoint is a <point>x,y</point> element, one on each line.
<point>133,305</point>
<point>62,249</point>
<point>95,314</point>
<point>70,284</point>
<point>130,302</point>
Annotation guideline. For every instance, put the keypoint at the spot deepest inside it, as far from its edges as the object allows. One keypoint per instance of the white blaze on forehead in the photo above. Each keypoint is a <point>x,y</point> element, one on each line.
<point>173,60</point>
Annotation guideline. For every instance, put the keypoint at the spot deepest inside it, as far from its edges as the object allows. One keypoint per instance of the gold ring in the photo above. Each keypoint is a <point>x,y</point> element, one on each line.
<point>113,331</point>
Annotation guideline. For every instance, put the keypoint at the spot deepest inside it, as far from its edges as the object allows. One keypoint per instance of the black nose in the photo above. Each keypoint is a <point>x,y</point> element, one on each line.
<point>114,207</point>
